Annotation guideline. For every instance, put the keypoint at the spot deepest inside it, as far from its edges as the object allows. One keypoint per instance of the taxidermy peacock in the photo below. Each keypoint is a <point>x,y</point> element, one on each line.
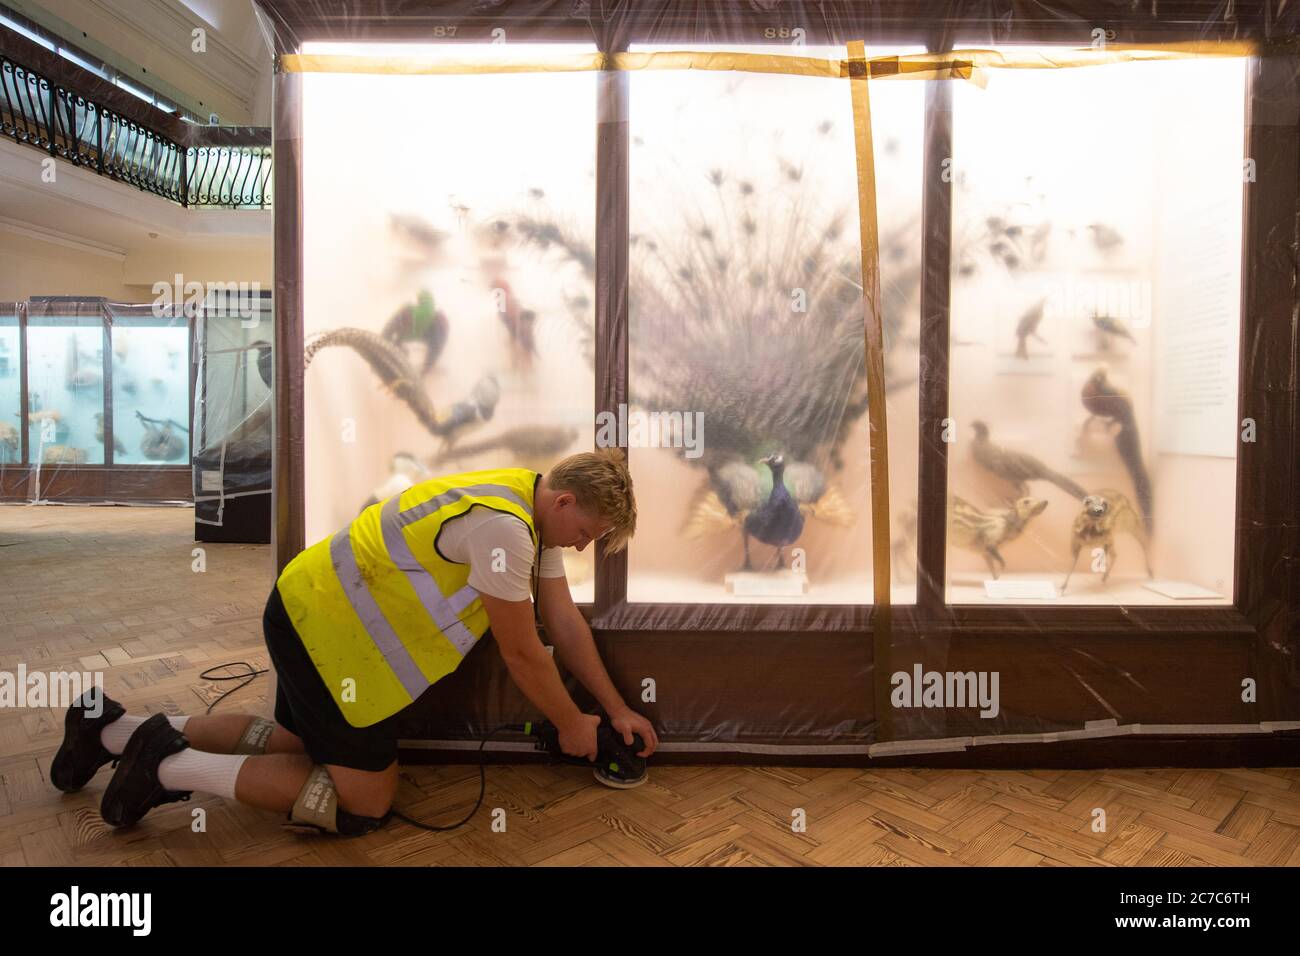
<point>769,503</point>
<point>746,306</point>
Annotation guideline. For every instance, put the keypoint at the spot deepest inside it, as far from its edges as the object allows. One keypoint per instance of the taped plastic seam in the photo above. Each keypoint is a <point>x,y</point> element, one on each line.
<point>905,747</point>
<point>949,744</point>
<point>776,749</point>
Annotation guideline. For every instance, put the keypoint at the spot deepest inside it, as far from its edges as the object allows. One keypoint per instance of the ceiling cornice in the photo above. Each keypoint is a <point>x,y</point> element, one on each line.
<point>59,238</point>
<point>170,26</point>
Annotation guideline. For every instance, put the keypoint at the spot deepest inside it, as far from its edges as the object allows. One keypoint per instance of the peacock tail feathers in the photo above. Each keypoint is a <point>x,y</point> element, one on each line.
<point>709,516</point>
<point>737,487</point>
<point>832,507</point>
<point>388,362</point>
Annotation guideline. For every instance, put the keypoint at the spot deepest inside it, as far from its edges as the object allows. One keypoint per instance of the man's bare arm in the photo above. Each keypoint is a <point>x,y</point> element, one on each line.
<point>530,665</point>
<point>571,635</point>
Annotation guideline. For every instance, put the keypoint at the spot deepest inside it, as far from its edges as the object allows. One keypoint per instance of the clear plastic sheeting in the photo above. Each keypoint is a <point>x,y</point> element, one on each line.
<point>452,296</point>
<point>1096,315</point>
<point>96,401</point>
<point>952,345</point>
<point>11,401</point>
<point>234,339</point>
<point>746,318</point>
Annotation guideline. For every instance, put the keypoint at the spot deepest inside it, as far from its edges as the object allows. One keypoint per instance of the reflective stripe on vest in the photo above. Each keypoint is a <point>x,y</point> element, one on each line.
<point>388,640</point>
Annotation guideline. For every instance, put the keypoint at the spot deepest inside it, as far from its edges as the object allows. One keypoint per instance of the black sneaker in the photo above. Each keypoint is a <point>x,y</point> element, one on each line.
<point>134,789</point>
<point>81,754</point>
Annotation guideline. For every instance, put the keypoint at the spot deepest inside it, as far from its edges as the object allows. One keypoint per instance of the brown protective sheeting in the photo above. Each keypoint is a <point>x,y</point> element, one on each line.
<point>818,678</point>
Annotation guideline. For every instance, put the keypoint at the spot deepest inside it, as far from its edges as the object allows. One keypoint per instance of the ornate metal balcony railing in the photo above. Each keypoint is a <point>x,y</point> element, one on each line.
<point>218,166</point>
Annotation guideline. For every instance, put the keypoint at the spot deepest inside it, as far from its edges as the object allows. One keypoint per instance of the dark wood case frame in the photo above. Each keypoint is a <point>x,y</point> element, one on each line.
<point>818,678</point>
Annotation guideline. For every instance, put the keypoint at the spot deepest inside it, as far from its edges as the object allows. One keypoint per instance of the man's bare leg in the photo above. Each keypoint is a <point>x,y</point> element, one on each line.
<point>269,781</point>
<point>220,733</point>
<point>273,782</point>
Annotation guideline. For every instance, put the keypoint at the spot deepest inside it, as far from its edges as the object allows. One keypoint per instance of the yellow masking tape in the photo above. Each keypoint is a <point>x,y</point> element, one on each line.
<point>875,370</point>
<point>959,64</point>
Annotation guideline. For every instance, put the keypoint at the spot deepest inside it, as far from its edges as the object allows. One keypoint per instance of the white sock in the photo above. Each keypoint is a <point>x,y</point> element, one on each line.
<point>116,734</point>
<point>208,773</point>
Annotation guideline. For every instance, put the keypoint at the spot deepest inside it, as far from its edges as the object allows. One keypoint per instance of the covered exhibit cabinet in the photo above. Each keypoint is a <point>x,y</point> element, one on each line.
<point>953,347</point>
<point>110,391</point>
<point>232,417</point>
<point>95,401</point>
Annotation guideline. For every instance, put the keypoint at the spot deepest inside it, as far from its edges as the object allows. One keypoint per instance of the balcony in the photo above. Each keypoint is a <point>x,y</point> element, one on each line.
<point>75,116</point>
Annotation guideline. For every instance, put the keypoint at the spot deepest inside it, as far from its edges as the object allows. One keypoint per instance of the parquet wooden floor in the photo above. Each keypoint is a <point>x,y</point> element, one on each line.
<point>113,589</point>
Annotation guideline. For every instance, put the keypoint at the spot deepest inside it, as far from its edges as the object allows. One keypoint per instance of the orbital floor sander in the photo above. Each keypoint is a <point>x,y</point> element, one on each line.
<point>617,764</point>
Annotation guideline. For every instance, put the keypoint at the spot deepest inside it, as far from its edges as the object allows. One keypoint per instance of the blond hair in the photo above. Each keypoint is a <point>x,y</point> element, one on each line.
<point>601,483</point>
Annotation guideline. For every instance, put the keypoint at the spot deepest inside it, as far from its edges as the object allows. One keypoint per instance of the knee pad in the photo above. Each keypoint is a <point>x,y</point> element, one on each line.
<point>317,810</point>
<point>256,736</point>
<point>352,824</point>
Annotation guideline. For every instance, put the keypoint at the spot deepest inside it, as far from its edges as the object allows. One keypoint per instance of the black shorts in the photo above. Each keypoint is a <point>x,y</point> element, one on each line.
<point>304,706</point>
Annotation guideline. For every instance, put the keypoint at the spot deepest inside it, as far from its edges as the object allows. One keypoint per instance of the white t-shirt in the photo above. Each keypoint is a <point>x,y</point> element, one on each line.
<point>474,536</point>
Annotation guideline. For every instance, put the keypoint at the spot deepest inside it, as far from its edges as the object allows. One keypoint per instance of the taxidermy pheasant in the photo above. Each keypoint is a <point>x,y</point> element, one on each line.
<point>1017,467</point>
<point>389,363</point>
<point>1102,399</point>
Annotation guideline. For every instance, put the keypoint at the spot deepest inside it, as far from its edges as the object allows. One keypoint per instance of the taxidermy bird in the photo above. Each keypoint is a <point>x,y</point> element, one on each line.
<point>160,442</point>
<point>469,413</point>
<point>1106,238</point>
<point>1009,234</point>
<point>1104,400</point>
<point>84,378</point>
<point>63,455</point>
<point>265,361</point>
<point>985,531</point>
<point>8,442</point>
<point>405,471</point>
<point>1103,514</point>
<point>99,434</point>
<point>746,307</point>
<point>389,362</point>
<point>1017,467</point>
<point>420,323</point>
<point>519,322</point>
<point>523,442</point>
<point>768,500</point>
<point>419,235</point>
<point>61,430</point>
<point>1108,327</point>
<point>778,520</point>
<point>1027,326</point>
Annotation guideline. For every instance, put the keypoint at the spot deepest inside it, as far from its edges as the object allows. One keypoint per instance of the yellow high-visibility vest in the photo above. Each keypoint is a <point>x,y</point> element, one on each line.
<point>382,613</point>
